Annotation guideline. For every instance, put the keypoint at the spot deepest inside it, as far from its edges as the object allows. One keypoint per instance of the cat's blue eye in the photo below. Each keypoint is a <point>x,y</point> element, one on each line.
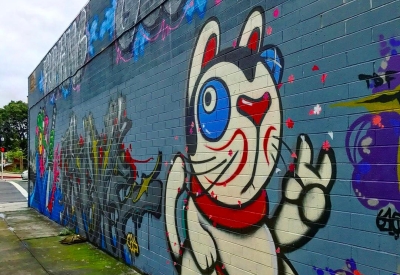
<point>213,109</point>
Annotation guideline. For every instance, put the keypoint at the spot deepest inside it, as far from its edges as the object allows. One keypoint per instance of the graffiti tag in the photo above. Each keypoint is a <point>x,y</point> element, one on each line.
<point>388,220</point>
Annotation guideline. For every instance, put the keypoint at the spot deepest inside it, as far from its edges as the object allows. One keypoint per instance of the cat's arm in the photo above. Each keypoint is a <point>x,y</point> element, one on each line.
<point>174,188</point>
<point>201,242</point>
<point>305,205</point>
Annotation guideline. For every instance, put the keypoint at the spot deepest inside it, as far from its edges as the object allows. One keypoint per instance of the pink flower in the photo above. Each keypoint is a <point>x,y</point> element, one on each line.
<point>289,123</point>
<point>326,145</point>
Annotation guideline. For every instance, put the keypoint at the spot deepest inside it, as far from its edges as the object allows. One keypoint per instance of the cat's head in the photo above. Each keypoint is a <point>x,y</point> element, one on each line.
<point>233,111</point>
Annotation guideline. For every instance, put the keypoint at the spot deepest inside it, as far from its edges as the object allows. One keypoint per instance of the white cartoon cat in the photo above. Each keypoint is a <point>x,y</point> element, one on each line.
<point>216,205</point>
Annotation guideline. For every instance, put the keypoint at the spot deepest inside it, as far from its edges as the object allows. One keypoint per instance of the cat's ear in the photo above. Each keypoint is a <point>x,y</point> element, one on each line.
<point>206,48</point>
<point>252,33</point>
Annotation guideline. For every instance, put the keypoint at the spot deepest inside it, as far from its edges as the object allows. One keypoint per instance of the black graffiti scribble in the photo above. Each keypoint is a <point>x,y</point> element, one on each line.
<point>378,80</point>
<point>389,222</point>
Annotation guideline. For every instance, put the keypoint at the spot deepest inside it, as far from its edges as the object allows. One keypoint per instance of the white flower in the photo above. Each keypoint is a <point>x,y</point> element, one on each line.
<point>317,109</point>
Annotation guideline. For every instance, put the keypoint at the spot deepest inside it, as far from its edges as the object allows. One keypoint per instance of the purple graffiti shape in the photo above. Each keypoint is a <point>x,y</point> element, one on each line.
<point>374,150</point>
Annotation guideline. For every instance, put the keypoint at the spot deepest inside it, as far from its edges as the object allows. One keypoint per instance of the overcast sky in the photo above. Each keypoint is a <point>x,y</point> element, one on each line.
<point>28,29</point>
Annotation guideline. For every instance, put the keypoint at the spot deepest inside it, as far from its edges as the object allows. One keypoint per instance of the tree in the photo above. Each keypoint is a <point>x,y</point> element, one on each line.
<point>14,126</point>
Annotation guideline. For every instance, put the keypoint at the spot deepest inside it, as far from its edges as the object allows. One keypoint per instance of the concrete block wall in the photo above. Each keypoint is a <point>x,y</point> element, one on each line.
<point>224,136</point>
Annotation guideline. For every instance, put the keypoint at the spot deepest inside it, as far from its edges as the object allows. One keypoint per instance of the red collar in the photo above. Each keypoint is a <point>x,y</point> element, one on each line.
<point>224,215</point>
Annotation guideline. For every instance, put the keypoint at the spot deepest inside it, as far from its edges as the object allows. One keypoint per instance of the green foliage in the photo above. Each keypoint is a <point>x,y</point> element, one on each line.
<point>15,154</point>
<point>14,126</point>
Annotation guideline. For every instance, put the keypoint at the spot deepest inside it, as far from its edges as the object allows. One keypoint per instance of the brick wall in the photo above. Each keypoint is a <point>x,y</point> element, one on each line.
<point>224,136</point>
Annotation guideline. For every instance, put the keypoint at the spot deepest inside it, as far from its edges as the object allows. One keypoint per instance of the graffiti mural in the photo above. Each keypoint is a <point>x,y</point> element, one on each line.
<point>46,194</point>
<point>65,58</point>
<point>96,181</point>
<point>125,22</point>
<point>372,142</point>
<point>351,269</point>
<point>234,140</point>
<point>218,137</point>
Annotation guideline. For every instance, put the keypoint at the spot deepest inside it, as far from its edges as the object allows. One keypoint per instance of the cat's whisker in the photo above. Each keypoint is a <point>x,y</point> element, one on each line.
<point>197,161</point>
<point>207,171</point>
<point>280,155</point>
<point>284,143</point>
<point>223,171</point>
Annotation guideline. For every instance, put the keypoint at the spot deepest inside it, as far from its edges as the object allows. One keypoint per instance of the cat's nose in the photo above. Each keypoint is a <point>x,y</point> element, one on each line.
<point>254,109</point>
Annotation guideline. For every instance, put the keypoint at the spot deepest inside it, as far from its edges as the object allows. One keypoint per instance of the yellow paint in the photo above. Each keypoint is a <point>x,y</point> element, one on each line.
<point>95,152</point>
<point>40,144</point>
<point>106,154</point>
<point>132,243</point>
<point>374,107</point>
<point>131,190</point>
<point>146,182</point>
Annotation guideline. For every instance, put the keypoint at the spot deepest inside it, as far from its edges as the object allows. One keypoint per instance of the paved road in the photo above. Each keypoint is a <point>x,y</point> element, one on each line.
<point>9,193</point>
<point>22,183</point>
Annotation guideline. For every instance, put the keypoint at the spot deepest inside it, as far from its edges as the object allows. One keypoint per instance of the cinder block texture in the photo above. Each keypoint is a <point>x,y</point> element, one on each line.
<point>223,136</point>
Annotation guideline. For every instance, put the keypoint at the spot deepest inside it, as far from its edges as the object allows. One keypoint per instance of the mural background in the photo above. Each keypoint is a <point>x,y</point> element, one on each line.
<point>107,116</point>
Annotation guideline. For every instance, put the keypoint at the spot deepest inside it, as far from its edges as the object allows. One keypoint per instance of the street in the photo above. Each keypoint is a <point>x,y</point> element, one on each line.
<point>13,190</point>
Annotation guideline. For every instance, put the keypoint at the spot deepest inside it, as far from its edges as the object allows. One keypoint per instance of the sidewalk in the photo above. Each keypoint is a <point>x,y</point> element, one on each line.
<point>9,175</point>
<point>29,244</point>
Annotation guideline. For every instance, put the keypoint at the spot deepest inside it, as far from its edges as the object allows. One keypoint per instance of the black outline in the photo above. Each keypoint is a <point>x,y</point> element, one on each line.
<point>314,226</point>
